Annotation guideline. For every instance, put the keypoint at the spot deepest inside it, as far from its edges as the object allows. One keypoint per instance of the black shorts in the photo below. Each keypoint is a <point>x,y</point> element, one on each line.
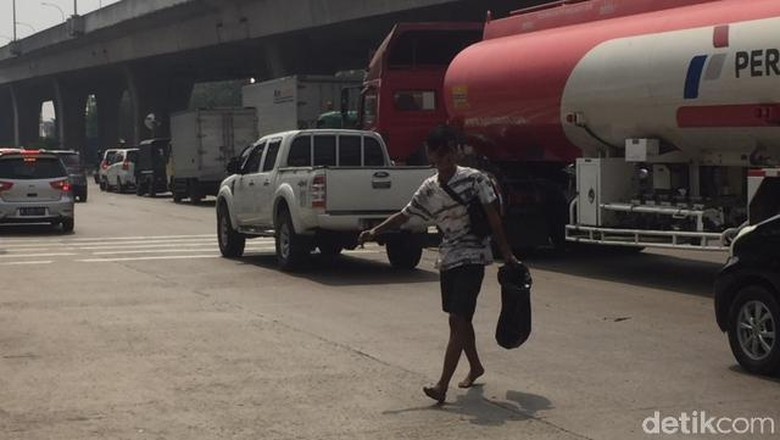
<point>459,289</point>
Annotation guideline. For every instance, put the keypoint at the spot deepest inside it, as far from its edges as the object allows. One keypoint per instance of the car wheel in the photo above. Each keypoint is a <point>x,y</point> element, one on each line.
<point>102,184</point>
<point>752,330</point>
<point>231,242</point>
<point>291,248</point>
<point>83,196</point>
<point>140,189</point>
<point>67,225</point>
<point>403,254</point>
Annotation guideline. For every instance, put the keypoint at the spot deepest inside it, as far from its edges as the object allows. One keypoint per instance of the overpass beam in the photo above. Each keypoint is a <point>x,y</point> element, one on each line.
<point>108,105</point>
<point>6,118</point>
<point>160,94</point>
<point>71,112</point>
<point>27,116</point>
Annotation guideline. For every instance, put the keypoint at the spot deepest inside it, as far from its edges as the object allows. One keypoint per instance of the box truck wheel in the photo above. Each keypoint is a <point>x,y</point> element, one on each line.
<point>291,248</point>
<point>231,242</point>
<point>404,253</point>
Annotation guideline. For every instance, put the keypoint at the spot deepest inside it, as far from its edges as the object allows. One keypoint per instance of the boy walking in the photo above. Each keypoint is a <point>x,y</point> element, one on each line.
<point>462,255</point>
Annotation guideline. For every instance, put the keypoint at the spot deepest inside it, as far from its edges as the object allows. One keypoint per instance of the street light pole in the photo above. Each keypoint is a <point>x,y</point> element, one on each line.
<point>75,7</point>
<point>14,6</point>
<point>62,13</point>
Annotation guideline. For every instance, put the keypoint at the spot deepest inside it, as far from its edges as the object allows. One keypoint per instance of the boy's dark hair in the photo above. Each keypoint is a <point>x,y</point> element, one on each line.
<point>442,139</point>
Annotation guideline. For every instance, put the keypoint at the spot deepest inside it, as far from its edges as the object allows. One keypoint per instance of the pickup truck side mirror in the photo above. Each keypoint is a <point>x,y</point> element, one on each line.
<point>233,166</point>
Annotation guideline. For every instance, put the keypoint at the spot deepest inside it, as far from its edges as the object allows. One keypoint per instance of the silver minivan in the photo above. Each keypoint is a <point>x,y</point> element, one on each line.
<point>34,188</point>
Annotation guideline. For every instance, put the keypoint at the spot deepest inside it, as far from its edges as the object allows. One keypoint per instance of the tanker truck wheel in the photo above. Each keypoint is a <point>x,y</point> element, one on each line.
<point>404,254</point>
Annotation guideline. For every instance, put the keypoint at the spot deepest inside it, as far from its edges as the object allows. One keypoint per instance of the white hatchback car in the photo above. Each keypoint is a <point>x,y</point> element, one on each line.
<point>119,175</point>
<point>34,188</point>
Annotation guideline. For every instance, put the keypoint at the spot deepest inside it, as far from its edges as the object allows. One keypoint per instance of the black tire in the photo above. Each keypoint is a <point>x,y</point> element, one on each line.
<point>403,253</point>
<point>330,249</point>
<point>83,196</point>
<point>291,248</point>
<point>102,184</point>
<point>140,188</point>
<point>763,355</point>
<point>67,225</point>
<point>231,242</point>
<point>195,195</point>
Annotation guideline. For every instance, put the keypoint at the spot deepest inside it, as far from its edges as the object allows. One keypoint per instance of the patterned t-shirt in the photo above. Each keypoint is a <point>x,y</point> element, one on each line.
<point>431,203</point>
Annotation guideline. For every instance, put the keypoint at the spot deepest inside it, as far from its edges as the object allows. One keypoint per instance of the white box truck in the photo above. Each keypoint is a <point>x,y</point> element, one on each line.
<point>296,102</point>
<point>202,143</point>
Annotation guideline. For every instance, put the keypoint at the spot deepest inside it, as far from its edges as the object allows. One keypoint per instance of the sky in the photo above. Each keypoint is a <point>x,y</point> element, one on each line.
<point>33,14</point>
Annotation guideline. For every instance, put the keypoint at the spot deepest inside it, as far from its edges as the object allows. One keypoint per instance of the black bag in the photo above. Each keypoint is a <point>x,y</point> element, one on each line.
<point>514,322</point>
<point>478,221</point>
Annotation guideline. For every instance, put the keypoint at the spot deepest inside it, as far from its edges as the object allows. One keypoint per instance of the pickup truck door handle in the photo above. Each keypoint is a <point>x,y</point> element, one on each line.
<point>266,183</point>
<point>381,175</point>
<point>251,183</point>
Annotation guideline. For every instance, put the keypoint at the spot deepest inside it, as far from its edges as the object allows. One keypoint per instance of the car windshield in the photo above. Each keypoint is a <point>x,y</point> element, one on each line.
<point>31,168</point>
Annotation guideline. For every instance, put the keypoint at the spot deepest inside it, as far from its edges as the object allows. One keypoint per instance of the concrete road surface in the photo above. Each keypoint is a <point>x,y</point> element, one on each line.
<point>134,328</point>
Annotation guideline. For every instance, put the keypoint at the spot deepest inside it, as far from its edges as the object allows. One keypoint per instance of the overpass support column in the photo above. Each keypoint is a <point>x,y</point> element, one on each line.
<point>27,116</point>
<point>70,107</point>
<point>160,94</point>
<point>6,118</point>
<point>108,103</point>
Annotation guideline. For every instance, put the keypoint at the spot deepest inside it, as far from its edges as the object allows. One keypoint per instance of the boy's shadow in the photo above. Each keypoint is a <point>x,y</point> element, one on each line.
<point>484,411</point>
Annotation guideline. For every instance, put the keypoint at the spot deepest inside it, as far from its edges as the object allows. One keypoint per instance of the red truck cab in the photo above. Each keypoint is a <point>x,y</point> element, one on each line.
<point>402,98</point>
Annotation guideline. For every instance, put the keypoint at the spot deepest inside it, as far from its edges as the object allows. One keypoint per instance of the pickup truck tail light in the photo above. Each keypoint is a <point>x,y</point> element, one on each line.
<point>62,185</point>
<point>319,192</point>
<point>6,186</point>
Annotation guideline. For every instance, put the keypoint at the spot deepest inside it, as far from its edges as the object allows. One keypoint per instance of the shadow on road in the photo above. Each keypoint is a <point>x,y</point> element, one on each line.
<point>346,270</point>
<point>32,230</point>
<point>739,370</point>
<point>482,411</point>
<point>646,269</point>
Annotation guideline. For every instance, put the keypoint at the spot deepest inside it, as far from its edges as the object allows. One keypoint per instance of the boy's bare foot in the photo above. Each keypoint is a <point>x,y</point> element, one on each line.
<point>468,382</point>
<point>435,393</point>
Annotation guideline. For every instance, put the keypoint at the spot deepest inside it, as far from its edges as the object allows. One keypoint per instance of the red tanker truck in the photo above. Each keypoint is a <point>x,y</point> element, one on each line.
<point>620,122</point>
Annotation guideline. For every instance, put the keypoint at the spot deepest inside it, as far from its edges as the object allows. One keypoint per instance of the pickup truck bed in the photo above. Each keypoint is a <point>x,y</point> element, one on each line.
<point>317,189</point>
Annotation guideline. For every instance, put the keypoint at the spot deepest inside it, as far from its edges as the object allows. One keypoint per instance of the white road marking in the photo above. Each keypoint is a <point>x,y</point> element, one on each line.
<point>102,239</point>
<point>162,251</point>
<point>167,257</point>
<point>59,254</point>
<point>26,263</point>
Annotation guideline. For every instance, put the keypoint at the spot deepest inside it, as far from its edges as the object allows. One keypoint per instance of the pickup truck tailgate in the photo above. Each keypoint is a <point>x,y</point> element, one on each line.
<point>365,190</point>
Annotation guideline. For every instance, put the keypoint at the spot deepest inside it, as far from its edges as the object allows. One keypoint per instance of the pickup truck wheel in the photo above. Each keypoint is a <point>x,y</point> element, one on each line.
<point>231,242</point>
<point>404,254</point>
<point>102,185</point>
<point>752,330</point>
<point>291,248</point>
<point>330,249</point>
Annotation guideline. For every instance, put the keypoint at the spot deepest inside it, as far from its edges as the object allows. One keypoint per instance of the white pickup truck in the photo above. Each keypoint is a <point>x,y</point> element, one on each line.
<point>317,189</point>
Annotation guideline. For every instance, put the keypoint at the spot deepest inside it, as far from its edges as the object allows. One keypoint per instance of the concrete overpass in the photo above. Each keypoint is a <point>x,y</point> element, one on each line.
<point>156,50</point>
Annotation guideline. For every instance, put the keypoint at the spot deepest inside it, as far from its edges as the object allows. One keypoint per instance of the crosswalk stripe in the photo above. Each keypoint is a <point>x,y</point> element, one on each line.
<point>166,257</point>
<point>26,263</point>
<point>57,254</point>
<point>103,239</point>
<point>161,251</point>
